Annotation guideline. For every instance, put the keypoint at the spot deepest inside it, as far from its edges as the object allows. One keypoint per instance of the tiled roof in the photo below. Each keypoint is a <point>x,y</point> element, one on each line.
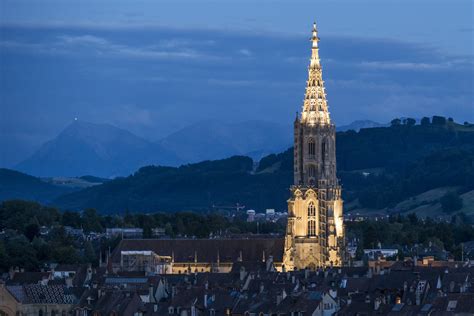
<point>206,250</point>
<point>42,294</point>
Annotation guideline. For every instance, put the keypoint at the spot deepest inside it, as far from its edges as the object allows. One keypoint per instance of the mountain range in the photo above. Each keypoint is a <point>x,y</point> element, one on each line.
<point>94,149</point>
<point>399,168</point>
<point>107,151</point>
<point>104,150</point>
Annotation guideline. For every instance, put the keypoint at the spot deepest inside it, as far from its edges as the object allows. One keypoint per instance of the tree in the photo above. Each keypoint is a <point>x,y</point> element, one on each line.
<point>72,219</point>
<point>451,202</point>
<point>4,259</point>
<point>410,121</point>
<point>425,121</point>
<point>89,253</point>
<point>21,253</point>
<point>396,122</point>
<point>32,231</point>
<point>439,120</point>
<point>91,221</point>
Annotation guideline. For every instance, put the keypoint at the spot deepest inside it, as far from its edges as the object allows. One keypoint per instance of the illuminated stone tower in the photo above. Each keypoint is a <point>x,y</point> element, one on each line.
<point>315,232</point>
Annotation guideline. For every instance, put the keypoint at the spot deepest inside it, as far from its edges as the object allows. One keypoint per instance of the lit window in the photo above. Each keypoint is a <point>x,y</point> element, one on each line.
<point>311,209</point>
<point>311,228</point>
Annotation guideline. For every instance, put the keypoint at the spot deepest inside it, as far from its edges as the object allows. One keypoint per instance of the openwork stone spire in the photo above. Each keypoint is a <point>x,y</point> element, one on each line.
<point>315,107</point>
<point>315,230</point>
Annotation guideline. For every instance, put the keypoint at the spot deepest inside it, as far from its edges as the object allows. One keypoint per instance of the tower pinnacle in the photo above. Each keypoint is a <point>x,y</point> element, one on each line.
<point>315,38</point>
<point>315,108</point>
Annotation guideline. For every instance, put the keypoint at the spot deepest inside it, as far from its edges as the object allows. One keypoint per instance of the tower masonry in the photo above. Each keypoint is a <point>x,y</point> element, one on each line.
<point>315,231</point>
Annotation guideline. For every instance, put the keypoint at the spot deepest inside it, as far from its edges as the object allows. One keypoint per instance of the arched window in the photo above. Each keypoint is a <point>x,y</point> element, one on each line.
<point>311,209</point>
<point>311,148</point>
<point>311,171</point>
<point>311,228</point>
<point>323,149</point>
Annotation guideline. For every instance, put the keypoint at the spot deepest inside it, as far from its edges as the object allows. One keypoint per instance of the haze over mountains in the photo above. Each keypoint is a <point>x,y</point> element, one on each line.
<point>94,149</point>
<point>106,151</point>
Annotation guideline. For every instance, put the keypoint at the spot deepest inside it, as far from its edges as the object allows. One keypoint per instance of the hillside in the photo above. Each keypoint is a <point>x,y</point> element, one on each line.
<point>201,186</point>
<point>17,185</point>
<point>378,167</point>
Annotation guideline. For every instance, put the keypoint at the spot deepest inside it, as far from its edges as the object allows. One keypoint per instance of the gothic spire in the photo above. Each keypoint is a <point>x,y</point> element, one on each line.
<point>315,108</point>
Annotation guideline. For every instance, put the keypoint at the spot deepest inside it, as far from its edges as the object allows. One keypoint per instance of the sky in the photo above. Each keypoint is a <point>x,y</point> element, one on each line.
<point>153,67</point>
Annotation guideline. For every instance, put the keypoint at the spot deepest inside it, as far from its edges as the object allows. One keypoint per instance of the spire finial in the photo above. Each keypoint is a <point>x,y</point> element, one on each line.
<point>314,37</point>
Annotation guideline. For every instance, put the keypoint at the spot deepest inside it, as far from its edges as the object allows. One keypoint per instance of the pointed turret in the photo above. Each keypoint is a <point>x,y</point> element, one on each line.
<point>315,108</point>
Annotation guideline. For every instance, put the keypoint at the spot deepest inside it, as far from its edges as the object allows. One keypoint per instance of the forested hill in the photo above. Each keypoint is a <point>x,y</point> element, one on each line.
<point>378,167</point>
<point>17,185</point>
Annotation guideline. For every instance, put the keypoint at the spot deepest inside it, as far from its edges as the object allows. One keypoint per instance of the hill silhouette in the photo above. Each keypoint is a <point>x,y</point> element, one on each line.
<point>378,167</point>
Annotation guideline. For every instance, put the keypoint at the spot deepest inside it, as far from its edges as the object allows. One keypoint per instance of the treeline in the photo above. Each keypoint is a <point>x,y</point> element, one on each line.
<point>404,232</point>
<point>33,234</point>
<point>24,244</point>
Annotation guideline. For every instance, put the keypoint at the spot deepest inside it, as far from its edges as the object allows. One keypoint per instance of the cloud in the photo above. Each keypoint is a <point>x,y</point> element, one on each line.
<point>245,52</point>
<point>153,81</point>
<point>404,65</point>
<point>99,46</point>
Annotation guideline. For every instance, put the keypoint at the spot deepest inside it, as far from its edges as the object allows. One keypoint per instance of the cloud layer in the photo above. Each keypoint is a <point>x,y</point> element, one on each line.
<point>155,81</point>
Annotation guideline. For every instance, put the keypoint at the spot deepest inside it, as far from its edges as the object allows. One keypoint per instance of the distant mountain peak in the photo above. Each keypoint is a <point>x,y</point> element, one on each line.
<point>100,149</point>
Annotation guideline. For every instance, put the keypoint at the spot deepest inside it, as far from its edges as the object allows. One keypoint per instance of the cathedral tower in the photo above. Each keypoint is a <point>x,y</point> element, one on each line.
<point>315,231</point>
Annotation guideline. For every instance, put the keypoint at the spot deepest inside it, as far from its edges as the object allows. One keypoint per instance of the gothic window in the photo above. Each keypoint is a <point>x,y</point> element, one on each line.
<point>311,171</point>
<point>311,148</point>
<point>311,209</point>
<point>311,228</point>
<point>323,149</point>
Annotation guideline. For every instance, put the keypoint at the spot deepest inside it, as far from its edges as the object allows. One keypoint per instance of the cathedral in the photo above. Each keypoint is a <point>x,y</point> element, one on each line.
<point>315,231</point>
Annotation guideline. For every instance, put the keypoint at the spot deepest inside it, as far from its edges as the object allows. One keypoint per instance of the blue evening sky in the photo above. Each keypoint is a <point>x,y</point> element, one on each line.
<point>153,67</point>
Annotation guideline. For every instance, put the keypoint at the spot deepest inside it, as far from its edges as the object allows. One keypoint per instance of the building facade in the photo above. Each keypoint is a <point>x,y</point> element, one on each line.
<point>315,231</point>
